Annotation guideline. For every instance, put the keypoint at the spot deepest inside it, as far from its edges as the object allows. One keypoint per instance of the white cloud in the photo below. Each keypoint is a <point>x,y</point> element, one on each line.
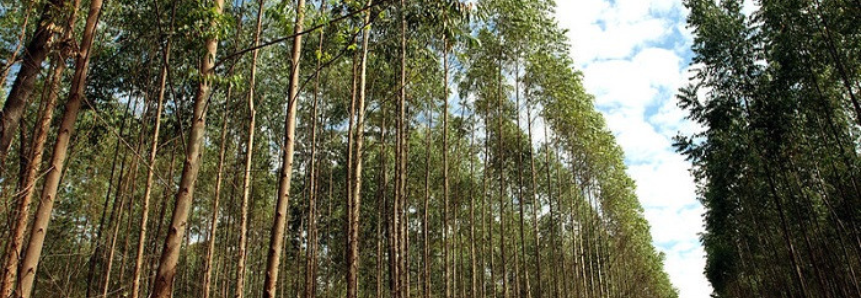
<point>665,183</point>
<point>749,6</point>
<point>631,53</point>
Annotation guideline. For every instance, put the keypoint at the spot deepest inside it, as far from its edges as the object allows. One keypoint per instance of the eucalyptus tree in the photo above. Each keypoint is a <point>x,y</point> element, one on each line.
<point>451,212</point>
<point>42,217</point>
<point>26,186</point>
<point>166,273</point>
<point>778,117</point>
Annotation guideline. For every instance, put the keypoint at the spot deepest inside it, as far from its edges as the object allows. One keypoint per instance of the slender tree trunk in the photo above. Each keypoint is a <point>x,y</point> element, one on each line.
<point>151,167</point>
<point>249,153</point>
<point>403,148</point>
<point>113,242</point>
<point>400,171</point>
<point>356,200</point>
<point>445,227</point>
<point>394,230</point>
<point>277,237</point>
<point>31,65</point>
<point>553,243</point>
<point>472,268</point>
<point>524,272</point>
<point>122,193</point>
<point>502,184</point>
<point>163,286</point>
<point>219,177</point>
<point>382,203</point>
<point>58,159</point>
<point>406,246</point>
<point>425,228</point>
<point>311,252</point>
<point>26,186</point>
<point>535,201</point>
<point>168,189</point>
<point>486,202</point>
<point>114,210</point>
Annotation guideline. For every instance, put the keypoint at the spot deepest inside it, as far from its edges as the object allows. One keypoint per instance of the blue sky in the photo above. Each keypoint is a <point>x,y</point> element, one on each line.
<point>634,55</point>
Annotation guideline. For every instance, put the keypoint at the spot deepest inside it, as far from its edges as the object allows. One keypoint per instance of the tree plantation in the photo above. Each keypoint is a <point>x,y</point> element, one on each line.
<point>777,93</point>
<point>409,148</point>
<point>254,148</point>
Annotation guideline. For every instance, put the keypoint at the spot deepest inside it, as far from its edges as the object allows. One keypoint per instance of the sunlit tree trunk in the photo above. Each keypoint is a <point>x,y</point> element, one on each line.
<point>24,196</point>
<point>525,272</point>
<point>286,173</point>
<point>356,184</point>
<point>535,201</point>
<point>445,224</point>
<point>58,158</point>
<point>151,166</point>
<point>241,254</point>
<point>502,185</point>
<point>311,252</point>
<point>166,273</point>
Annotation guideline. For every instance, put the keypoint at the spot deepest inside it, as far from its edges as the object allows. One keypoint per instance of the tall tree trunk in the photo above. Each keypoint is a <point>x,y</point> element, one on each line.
<point>473,268</point>
<point>502,185</point>
<point>553,239</point>
<point>525,272</point>
<point>535,201</point>
<point>356,200</point>
<point>277,237</point>
<point>219,179</point>
<point>396,258</point>
<point>487,224</point>
<point>97,252</point>
<point>58,159</point>
<point>31,65</point>
<point>24,196</point>
<point>311,252</point>
<point>406,246</point>
<point>241,254</point>
<point>403,149</point>
<point>382,203</point>
<point>426,210</point>
<point>151,165</point>
<point>445,228</point>
<point>164,279</point>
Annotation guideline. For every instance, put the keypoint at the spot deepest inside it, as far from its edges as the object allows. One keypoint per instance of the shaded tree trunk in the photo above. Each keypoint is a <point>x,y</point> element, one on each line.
<point>31,65</point>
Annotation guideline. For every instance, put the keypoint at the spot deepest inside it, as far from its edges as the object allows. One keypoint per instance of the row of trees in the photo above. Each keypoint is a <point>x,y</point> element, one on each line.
<point>778,166</point>
<point>432,148</point>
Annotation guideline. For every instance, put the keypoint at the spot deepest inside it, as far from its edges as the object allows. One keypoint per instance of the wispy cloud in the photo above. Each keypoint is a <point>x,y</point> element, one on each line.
<point>634,55</point>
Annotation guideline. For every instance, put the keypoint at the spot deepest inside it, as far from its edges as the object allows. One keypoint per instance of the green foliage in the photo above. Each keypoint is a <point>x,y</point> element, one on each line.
<point>776,163</point>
